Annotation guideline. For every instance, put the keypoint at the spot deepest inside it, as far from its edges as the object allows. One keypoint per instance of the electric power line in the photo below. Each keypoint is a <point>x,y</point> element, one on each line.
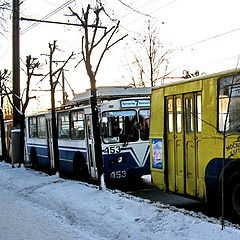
<point>133,9</point>
<point>207,39</point>
<point>191,44</point>
<point>162,6</point>
<point>47,16</point>
<point>165,5</point>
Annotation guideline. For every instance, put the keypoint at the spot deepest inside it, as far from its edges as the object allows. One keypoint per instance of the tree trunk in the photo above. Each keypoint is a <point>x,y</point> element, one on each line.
<point>96,132</point>
<point>22,140</point>
<point>3,140</point>
<point>54,132</point>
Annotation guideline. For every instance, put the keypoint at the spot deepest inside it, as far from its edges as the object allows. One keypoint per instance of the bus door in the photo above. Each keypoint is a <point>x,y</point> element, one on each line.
<point>175,149</point>
<point>191,125</point>
<point>50,142</point>
<point>90,147</point>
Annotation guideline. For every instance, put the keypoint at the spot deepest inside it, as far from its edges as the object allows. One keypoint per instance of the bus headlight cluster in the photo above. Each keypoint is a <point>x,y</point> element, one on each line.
<point>120,159</point>
<point>117,160</point>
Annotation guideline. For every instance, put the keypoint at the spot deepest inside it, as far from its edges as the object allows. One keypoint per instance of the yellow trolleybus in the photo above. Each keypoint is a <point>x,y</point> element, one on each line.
<point>195,137</point>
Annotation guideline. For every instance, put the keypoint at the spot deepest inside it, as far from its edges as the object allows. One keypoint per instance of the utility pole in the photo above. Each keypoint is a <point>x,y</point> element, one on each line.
<point>63,89</point>
<point>17,154</point>
<point>16,64</point>
<point>3,145</point>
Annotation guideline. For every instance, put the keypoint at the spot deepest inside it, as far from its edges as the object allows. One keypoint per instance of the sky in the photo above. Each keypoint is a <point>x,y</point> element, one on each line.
<point>202,35</point>
<point>35,206</point>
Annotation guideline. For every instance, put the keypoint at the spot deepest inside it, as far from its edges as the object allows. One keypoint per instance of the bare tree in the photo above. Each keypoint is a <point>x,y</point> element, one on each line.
<point>150,61</point>
<point>54,76</point>
<point>94,41</point>
<point>5,8</point>
<point>31,65</point>
<point>4,76</point>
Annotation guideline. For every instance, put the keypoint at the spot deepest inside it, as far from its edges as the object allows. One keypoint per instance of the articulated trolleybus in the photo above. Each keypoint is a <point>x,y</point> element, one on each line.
<point>124,118</point>
<point>195,138</point>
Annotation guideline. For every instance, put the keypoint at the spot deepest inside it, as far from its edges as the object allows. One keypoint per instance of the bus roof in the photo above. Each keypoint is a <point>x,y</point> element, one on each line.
<point>109,93</point>
<point>222,73</point>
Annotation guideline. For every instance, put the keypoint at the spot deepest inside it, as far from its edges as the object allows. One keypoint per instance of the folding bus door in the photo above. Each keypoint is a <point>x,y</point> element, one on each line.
<point>50,142</point>
<point>190,110</point>
<point>90,147</point>
<point>175,144</point>
<point>179,143</point>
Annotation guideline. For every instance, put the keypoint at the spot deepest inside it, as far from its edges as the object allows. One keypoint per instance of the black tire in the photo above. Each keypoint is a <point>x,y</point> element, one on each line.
<point>80,168</point>
<point>236,199</point>
<point>232,197</point>
<point>34,158</point>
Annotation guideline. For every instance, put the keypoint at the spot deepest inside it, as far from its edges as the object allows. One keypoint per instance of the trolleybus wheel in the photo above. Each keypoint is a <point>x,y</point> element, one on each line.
<point>232,196</point>
<point>80,168</point>
<point>236,198</point>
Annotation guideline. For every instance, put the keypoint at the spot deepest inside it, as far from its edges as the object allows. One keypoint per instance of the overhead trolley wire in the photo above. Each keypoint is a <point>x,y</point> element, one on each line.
<point>207,39</point>
<point>150,14</point>
<point>163,6</point>
<point>134,10</point>
<point>47,16</point>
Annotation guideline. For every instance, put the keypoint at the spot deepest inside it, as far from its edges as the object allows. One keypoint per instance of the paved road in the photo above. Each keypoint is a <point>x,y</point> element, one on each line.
<point>152,193</point>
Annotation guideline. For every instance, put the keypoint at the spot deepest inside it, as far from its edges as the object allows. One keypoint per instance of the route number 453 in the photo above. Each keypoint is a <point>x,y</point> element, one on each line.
<point>118,174</point>
<point>112,149</point>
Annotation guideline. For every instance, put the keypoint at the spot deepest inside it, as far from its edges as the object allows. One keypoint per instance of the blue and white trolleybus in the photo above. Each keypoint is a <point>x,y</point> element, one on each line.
<point>124,117</point>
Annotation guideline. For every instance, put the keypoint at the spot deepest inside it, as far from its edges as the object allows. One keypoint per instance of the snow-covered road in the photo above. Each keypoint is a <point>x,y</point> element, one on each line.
<point>37,206</point>
<point>21,220</point>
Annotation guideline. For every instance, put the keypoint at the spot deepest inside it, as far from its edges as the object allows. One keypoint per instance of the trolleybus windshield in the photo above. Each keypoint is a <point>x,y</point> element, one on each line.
<point>120,126</point>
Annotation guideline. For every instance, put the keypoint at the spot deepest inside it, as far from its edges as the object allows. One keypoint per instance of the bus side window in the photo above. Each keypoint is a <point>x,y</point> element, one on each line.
<point>170,115</point>
<point>189,113</point>
<point>144,124</point>
<point>228,102</point>
<point>32,127</point>
<point>77,125</point>
<point>41,126</point>
<point>199,113</point>
<point>63,125</point>
<point>179,115</point>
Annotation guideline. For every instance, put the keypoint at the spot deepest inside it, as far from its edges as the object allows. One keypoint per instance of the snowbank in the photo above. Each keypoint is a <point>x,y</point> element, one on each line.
<point>37,206</point>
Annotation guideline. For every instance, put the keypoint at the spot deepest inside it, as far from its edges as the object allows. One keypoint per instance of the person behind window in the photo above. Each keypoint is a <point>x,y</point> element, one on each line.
<point>116,130</point>
<point>144,128</point>
<point>133,133</point>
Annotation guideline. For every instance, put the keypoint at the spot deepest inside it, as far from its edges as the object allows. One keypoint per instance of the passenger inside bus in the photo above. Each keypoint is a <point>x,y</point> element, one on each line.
<point>116,130</point>
<point>144,128</point>
<point>120,126</point>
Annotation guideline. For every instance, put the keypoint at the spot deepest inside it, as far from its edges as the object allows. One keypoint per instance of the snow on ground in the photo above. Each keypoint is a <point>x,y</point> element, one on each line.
<point>36,206</point>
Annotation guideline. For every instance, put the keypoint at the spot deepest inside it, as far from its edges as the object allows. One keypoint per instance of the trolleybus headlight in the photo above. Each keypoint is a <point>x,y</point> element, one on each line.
<point>119,159</point>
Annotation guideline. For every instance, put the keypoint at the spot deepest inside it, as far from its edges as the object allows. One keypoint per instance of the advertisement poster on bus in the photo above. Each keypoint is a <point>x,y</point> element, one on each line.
<point>157,153</point>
